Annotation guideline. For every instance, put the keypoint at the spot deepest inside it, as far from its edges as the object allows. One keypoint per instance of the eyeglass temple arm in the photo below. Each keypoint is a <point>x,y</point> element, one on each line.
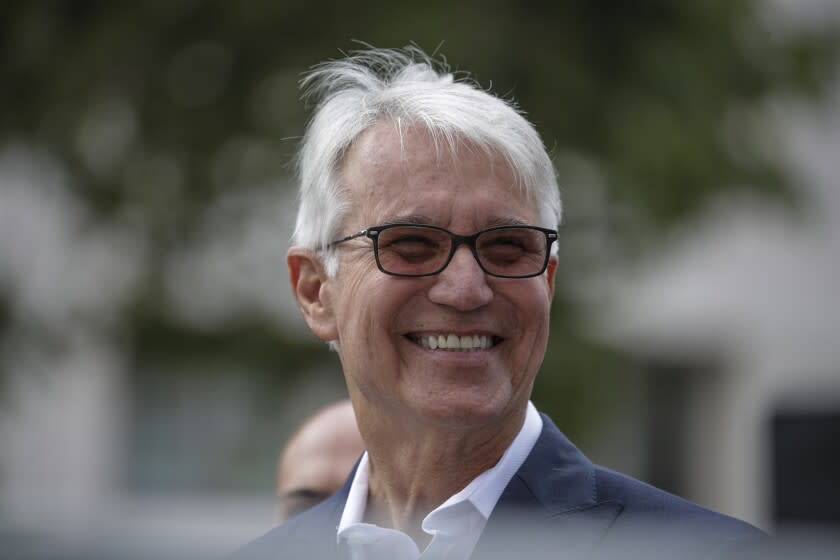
<point>349,237</point>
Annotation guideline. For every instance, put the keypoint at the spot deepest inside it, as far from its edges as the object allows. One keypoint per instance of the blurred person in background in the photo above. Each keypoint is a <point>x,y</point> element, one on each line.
<point>317,459</point>
<point>424,253</point>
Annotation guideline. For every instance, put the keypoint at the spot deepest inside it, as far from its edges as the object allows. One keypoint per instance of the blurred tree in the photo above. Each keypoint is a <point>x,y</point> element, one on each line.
<point>160,109</point>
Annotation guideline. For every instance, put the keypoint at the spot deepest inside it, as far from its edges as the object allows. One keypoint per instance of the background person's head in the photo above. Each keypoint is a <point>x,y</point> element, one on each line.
<point>317,459</point>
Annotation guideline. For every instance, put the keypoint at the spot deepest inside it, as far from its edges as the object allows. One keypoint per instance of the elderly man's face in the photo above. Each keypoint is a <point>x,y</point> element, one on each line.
<point>380,318</point>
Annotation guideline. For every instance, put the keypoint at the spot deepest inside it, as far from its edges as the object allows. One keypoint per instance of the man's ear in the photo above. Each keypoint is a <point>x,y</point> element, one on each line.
<point>312,291</point>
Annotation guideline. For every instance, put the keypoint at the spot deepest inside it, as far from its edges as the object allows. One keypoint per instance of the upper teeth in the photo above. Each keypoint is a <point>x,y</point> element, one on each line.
<point>455,342</point>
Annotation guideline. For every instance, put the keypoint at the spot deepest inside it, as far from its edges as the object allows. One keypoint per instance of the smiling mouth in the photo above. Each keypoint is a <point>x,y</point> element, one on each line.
<point>454,342</point>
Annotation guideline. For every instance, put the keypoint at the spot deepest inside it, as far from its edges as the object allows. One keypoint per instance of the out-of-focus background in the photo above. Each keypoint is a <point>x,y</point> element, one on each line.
<point>152,361</point>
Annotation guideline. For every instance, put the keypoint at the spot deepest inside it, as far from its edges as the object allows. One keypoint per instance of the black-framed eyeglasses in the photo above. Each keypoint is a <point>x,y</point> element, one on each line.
<point>423,250</point>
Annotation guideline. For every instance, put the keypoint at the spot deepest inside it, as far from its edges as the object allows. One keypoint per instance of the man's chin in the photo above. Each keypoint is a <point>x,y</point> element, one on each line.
<point>463,410</point>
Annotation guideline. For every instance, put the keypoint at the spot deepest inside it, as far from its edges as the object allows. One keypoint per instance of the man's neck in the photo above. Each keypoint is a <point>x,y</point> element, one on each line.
<point>412,474</point>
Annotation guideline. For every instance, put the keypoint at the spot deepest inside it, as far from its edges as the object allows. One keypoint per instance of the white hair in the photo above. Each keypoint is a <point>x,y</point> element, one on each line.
<point>408,87</point>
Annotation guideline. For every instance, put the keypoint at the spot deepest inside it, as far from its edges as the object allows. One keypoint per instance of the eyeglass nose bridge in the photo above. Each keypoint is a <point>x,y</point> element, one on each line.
<point>457,241</point>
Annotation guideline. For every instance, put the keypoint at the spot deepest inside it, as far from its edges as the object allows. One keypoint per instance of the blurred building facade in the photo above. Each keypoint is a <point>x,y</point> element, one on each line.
<point>735,319</point>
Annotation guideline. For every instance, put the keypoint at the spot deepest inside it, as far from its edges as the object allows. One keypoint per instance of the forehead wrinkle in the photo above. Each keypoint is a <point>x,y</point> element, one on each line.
<point>417,219</point>
<point>378,177</point>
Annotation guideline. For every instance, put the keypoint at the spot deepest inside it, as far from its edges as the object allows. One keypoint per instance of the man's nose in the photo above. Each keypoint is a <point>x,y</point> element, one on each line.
<point>462,284</point>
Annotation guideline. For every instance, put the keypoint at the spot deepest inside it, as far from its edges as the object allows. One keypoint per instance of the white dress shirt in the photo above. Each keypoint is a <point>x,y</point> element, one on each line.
<point>455,525</point>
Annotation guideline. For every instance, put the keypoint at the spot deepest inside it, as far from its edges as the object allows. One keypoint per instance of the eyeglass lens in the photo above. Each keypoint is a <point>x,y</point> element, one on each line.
<point>418,250</point>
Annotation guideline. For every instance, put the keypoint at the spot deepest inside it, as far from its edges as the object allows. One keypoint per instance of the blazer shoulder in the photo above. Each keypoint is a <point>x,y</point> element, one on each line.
<point>644,503</point>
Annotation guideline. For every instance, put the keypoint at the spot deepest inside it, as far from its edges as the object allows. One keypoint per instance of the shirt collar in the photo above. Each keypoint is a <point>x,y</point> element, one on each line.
<point>354,508</point>
<point>481,494</point>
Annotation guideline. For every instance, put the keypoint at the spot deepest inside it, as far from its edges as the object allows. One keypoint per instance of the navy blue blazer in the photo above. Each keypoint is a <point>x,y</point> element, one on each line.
<point>558,505</point>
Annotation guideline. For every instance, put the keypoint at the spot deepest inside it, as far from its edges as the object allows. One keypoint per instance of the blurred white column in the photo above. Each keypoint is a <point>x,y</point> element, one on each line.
<point>60,428</point>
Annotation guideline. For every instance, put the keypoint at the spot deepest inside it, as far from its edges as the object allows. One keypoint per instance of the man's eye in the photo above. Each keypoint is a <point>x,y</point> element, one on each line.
<point>412,241</point>
<point>504,242</point>
<point>506,247</point>
<point>411,248</point>
<point>502,251</point>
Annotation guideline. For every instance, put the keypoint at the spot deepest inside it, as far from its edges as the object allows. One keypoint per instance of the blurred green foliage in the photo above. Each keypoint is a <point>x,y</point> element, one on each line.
<point>160,108</point>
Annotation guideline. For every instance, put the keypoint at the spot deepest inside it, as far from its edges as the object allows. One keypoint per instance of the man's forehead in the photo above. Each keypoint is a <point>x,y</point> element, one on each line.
<point>387,139</point>
<point>403,176</point>
<point>388,148</point>
<point>480,208</point>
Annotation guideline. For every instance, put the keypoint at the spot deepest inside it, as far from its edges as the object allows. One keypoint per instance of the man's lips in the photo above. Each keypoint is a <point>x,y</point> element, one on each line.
<point>455,342</point>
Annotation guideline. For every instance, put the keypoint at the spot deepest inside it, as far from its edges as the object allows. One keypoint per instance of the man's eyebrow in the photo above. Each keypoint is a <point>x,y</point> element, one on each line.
<point>493,222</point>
<point>420,219</point>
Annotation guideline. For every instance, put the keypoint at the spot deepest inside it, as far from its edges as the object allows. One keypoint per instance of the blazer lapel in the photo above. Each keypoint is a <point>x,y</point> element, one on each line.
<point>549,509</point>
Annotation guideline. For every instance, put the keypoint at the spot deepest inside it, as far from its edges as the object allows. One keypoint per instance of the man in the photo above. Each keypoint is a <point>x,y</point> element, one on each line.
<point>424,255</point>
<point>317,459</point>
